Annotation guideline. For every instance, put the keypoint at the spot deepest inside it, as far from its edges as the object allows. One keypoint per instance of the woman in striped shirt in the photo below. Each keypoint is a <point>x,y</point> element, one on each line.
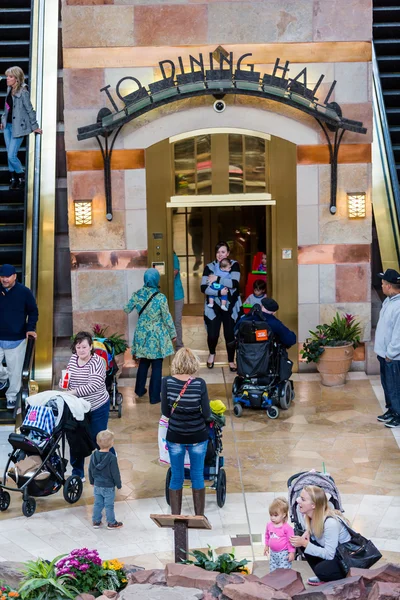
<point>87,375</point>
<point>184,399</point>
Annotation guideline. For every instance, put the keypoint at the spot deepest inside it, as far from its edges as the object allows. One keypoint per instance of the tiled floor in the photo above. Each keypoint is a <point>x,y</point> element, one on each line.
<point>332,427</point>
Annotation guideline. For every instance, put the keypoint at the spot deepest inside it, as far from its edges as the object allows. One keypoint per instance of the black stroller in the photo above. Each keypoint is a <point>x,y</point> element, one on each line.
<point>104,347</point>
<point>264,369</point>
<point>37,463</point>
<point>213,465</point>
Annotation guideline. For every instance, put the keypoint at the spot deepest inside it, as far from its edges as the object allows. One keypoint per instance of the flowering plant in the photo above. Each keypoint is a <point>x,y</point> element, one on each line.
<point>119,343</point>
<point>340,330</point>
<point>113,577</point>
<point>84,566</point>
<point>42,582</point>
<point>6,592</point>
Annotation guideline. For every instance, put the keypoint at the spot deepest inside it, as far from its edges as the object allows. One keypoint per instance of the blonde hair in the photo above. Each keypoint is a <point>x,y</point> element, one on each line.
<point>321,510</point>
<point>19,75</point>
<point>105,439</point>
<point>279,505</point>
<point>185,362</point>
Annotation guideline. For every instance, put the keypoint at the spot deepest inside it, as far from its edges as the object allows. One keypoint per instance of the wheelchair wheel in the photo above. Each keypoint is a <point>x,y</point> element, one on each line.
<point>29,507</point>
<point>285,395</point>
<point>167,482</point>
<point>273,412</point>
<point>72,489</point>
<point>221,488</point>
<point>238,410</point>
<point>5,500</point>
<point>293,392</point>
<point>237,383</point>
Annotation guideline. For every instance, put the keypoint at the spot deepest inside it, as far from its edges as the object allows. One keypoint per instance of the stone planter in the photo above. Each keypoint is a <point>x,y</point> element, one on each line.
<point>335,363</point>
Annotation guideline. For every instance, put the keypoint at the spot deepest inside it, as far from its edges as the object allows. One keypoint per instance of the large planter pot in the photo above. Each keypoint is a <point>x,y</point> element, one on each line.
<point>335,363</point>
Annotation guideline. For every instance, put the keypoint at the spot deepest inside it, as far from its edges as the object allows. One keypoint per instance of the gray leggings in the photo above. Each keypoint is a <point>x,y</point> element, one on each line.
<point>279,560</point>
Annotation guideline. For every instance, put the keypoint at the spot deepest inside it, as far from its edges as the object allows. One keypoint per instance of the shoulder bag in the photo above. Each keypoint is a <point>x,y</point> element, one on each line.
<point>163,427</point>
<point>357,552</point>
<point>147,303</point>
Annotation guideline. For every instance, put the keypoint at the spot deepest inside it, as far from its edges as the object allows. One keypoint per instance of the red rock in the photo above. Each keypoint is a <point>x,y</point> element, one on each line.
<point>285,580</point>
<point>389,573</point>
<point>351,588</point>
<point>111,594</point>
<point>153,576</point>
<point>189,576</point>
<point>382,590</point>
<point>252,590</point>
<point>224,579</point>
<point>85,596</point>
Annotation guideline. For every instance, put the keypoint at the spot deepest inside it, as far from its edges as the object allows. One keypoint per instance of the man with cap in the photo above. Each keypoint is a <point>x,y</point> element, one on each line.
<point>387,347</point>
<point>269,306</point>
<point>18,318</point>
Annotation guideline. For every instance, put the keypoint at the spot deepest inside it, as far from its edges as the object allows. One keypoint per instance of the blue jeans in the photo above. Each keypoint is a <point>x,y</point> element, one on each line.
<point>13,145</point>
<point>155,379</point>
<point>98,422</point>
<point>197,455</point>
<point>104,498</point>
<point>390,379</point>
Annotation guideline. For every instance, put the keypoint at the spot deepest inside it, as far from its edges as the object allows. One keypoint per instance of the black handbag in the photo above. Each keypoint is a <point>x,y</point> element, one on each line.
<point>357,552</point>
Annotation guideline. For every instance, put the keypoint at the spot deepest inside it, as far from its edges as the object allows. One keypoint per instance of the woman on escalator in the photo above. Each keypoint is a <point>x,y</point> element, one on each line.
<point>17,121</point>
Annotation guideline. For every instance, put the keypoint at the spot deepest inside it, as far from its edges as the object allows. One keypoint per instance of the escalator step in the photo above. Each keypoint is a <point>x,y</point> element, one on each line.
<point>386,14</point>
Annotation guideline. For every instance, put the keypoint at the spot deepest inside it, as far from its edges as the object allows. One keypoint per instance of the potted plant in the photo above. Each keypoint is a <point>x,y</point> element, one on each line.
<point>223,563</point>
<point>331,347</point>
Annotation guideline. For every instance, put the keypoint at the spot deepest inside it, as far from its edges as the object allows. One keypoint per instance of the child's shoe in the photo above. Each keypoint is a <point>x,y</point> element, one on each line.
<point>115,525</point>
<point>224,307</point>
<point>315,581</point>
<point>96,524</point>
<point>210,305</point>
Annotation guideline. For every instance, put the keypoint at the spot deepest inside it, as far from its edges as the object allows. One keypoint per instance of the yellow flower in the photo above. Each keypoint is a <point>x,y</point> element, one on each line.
<point>124,580</point>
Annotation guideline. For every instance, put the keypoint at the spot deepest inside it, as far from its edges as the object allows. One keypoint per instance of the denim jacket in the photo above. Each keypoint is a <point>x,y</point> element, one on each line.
<point>24,115</point>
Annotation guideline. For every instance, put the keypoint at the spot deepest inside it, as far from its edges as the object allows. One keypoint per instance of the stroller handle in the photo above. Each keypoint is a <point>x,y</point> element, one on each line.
<point>295,476</point>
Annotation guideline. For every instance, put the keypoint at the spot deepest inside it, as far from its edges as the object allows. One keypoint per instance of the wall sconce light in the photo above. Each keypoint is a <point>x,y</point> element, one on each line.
<point>356,203</point>
<point>83,212</point>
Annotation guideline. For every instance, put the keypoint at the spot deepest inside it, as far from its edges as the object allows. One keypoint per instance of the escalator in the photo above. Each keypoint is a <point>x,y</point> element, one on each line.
<point>386,145</point>
<point>15,50</point>
<point>10,417</point>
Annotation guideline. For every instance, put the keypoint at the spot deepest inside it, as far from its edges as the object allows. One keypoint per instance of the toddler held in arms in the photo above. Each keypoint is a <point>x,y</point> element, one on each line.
<point>224,267</point>
<point>277,534</point>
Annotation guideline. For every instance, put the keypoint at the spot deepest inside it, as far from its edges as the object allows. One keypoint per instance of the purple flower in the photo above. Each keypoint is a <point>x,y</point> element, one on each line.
<point>84,567</point>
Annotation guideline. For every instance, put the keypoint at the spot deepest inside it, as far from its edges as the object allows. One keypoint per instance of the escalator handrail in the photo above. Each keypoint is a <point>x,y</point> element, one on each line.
<point>26,371</point>
<point>386,133</point>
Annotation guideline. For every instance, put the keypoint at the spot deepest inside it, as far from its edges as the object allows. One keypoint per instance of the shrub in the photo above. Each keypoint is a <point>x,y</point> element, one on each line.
<point>42,582</point>
<point>224,563</point>
<point>84,566</point>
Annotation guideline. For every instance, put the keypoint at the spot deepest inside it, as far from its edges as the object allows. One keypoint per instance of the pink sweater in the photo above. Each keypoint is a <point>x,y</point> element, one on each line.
<point>277,538</point>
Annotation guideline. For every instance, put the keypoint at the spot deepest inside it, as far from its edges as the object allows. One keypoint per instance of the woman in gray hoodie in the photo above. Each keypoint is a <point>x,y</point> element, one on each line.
<point>17,121</point>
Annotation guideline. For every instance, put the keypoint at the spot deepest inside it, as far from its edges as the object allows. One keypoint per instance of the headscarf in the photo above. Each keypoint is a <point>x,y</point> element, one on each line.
<point>151,278</point>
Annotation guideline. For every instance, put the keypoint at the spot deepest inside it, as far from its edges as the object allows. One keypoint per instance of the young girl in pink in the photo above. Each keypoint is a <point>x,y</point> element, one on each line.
<point>277,546</point>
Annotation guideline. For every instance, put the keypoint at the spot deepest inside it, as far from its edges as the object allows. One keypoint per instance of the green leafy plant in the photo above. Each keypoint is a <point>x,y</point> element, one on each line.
<point>113,576</point>
<point>84,566</point>
<point>224,563</point>
<point>120,344</point>
<point>41,582</point>
<point>340,330</point>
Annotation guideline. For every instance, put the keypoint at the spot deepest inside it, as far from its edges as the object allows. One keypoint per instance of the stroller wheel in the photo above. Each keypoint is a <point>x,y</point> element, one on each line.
<point>221,488</point>
<point>273,412</point>
<point>119,411</point>
<point>73,489</point>
<point>119,398</point>
<point>5,500</point>
<point>167,482</point>
<point>238,410</point>
<point>285,395</point>
<point>29,507</point>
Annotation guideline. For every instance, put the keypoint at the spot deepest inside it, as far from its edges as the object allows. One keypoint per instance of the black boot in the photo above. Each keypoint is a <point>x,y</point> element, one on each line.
<point>199,501</point>
<point>21,181</point>
<point>13,181</point>
<point>175,500</point>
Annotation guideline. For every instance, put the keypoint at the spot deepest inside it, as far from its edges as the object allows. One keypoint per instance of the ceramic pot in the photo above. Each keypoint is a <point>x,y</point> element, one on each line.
<point>335,363</point>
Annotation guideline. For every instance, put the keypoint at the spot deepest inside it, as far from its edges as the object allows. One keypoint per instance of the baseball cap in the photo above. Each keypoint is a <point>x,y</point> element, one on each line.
<point>270,304</point>
<point>7,271</point>
<point>390,275</point>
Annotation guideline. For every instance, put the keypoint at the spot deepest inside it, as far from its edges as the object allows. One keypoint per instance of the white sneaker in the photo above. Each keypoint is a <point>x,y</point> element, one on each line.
<point>224,308</point>
<point>11,405</point>
<point>3,384</point>
<point>210,305</point>
<point>83,479</point>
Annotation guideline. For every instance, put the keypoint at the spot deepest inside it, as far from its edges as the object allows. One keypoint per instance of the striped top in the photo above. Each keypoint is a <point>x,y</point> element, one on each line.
<point>89,381</point>
<point>187,424</point>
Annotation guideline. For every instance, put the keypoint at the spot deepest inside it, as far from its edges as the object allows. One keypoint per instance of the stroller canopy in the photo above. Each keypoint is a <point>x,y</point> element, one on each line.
<point>322,480</point>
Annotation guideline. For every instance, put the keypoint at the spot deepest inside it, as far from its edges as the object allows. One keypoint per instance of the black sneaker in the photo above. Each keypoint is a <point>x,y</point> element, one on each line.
<point>115,525</point>
<point>395,422</point>
<point>387,416</point>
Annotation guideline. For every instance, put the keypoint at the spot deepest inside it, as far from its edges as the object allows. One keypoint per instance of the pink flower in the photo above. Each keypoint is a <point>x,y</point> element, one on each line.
<point>84,567</point>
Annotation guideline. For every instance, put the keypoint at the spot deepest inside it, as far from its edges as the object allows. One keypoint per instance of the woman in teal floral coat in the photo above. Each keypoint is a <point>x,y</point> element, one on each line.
<point>154,334</point>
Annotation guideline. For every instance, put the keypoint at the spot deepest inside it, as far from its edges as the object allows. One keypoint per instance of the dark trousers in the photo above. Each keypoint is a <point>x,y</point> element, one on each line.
<point>325,570</point>
<point>213,328</point>
<point>155,378</point>
<point>390,379</point>
<point>98,422</point>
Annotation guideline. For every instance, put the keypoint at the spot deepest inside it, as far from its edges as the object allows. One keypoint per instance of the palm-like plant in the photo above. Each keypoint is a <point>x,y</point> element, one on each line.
<point>340,330</point>
<point>42,583</point>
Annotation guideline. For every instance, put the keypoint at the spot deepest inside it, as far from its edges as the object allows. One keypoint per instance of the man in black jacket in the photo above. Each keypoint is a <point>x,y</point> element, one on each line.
<point>18,318</point>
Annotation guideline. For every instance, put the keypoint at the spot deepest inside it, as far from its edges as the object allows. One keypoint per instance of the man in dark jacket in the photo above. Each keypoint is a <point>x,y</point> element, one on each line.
<point>18,318</point>
<point>282,334</point>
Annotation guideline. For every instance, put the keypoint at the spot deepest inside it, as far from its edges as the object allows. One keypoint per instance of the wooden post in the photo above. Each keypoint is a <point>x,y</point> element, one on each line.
<point>181,524</point>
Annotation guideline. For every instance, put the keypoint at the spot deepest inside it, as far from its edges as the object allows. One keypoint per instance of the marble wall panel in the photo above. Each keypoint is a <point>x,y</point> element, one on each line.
<point>307,184</point>
<point>97,26</point>
<point>352,83</point>
<point>135,189</point>
<point>102,235</point>
<point>353,283</point>
<point>134,283</point>
<point>90,185</point>
<point>115,320</point>
<point>359,111</point>
<point>342,20</point>
<point>308,320</point>
<point>327,283</point>
<point>338,229</point>
<point>307,225</point>
<point>247,22</point>
<point>106,259</point>
<point>361,310</point>
<point>351,178</point>
<point>74,118</point>
<point>170,25</point>
<point>101,290</point>
<point>308,278</point>
<point>136,229</point>
<point>88,2</point>
<point>334,253</point>
<point>82,88</point>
